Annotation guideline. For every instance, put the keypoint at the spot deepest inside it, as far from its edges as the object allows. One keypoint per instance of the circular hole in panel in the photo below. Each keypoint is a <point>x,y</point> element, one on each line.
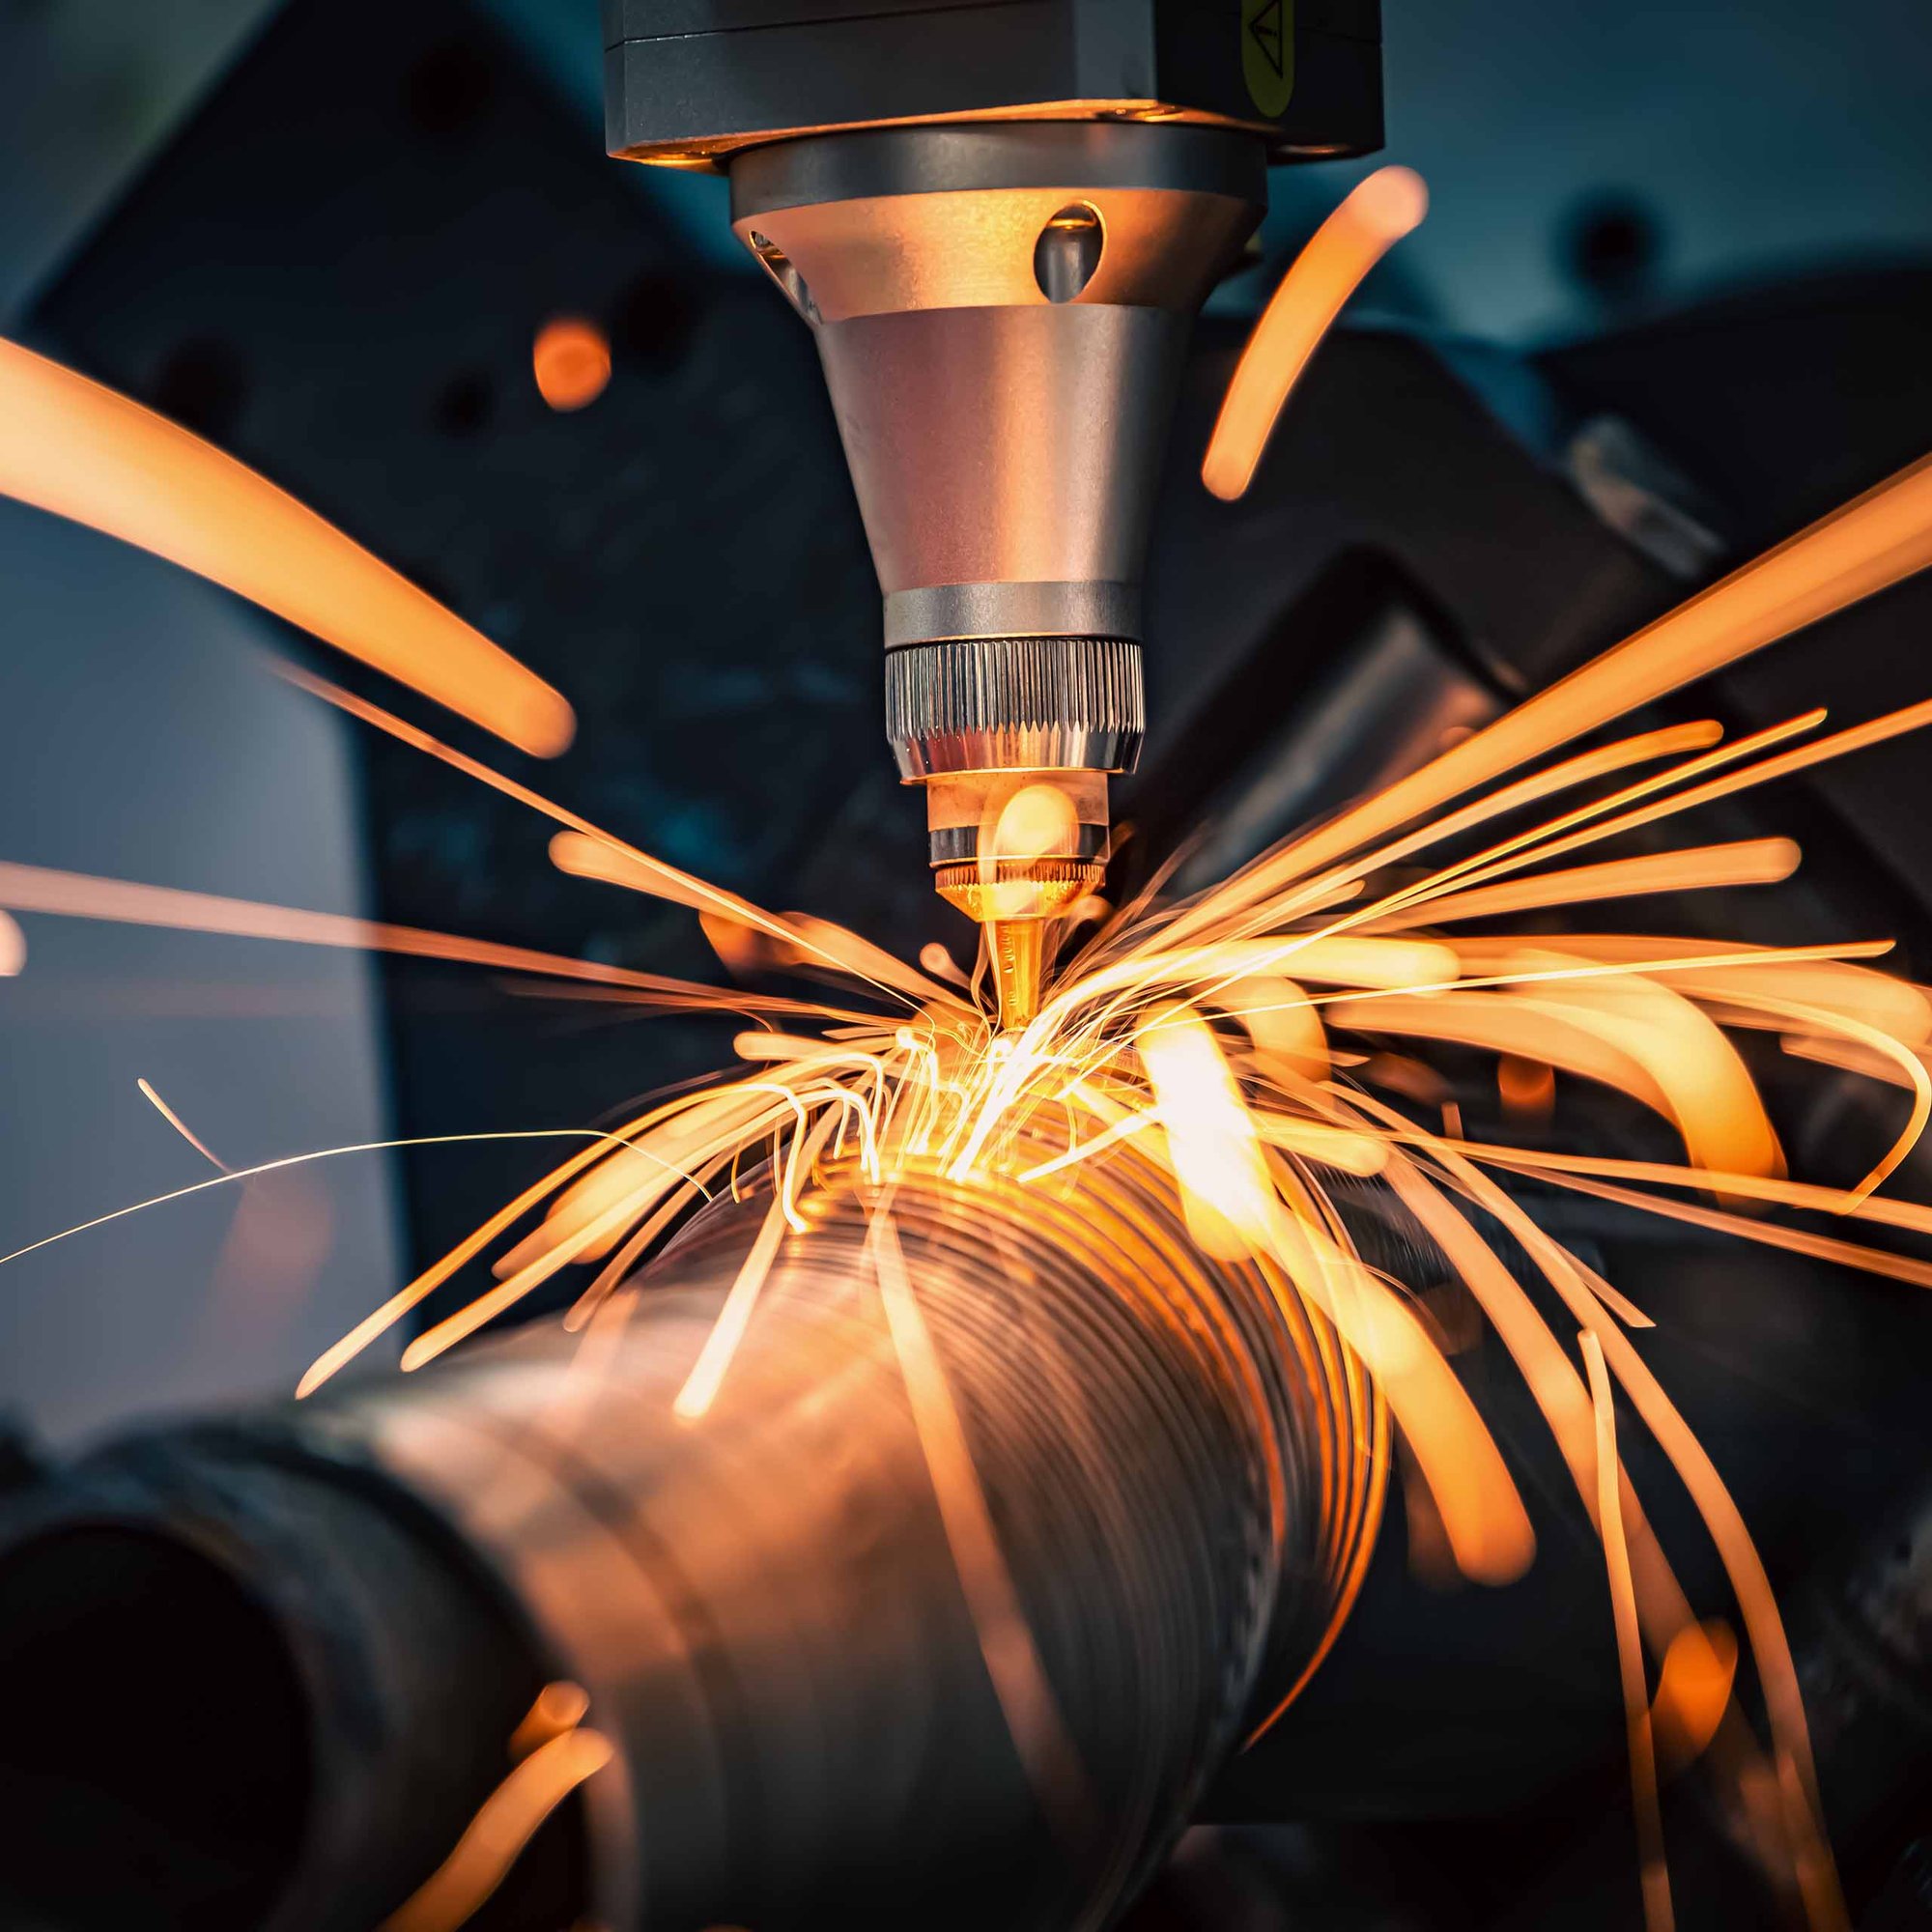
<point>1066,256</point>
<point>778,266</point>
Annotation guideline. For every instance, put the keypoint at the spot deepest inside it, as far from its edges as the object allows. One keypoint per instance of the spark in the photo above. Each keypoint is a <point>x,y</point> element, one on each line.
<point>559,1707</point>
<point>570,362</point>
<point>241,1174</point>
<point>667,881</point>
<point>181,1127</point>
<point>1006,1637</point>
<point>81,895</point>
<point>1694,1689</point>
<point>494,1838</point>
<point>1373,218</point>
<point>83,451</point>
<point>1658,1916</point>
<point>707,1373</point>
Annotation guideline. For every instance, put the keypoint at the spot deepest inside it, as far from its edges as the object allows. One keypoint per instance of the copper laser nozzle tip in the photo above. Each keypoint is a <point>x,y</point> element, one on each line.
<point>1016,912</point>
<point>1017,948</point>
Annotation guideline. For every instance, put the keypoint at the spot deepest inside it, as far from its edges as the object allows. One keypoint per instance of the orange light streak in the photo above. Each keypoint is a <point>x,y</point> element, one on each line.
<point>181,1127</point>
<point>1233,1208</point>
<point>485,1307</point>
<point>1850,1057</point>
<point>1693,1691</point>
<point>126,902</point>
<point>1802,1812</point>
<point>241,1174</point>
<point>1751,862</point>
<point>1658,1915</point>
<point>511,1815</point>
<point>1876,540</point>
<point>1376,214</point>
<point>1007,1643</point>
<point>559,1707</point>
<point>707,1373</point>
<point>1774,1189</point>
<point>680,887</point>
<point>1767,1234</point>
<point>85,452</point>
<point>1840,744</point>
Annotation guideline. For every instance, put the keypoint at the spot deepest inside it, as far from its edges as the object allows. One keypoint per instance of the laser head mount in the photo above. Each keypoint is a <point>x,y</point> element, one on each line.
<point>999,222</point>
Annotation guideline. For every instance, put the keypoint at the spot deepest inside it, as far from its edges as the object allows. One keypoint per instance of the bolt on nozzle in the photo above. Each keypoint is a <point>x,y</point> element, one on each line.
<point>1014,851</point>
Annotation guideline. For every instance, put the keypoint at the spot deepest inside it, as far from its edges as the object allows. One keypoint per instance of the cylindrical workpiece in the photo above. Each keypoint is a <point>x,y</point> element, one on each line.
<point>939,1612</point>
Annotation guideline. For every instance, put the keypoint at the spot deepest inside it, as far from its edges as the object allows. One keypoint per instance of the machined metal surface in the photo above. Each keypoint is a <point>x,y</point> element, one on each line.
<point>815,1720</point>
<point>1027,609</point>
<point>998,704</point>
<point>1002,315</point>
<point>1000,221</point>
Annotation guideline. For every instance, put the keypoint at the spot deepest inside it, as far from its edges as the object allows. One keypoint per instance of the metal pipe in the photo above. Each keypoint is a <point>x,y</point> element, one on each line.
<point>819,1714</point>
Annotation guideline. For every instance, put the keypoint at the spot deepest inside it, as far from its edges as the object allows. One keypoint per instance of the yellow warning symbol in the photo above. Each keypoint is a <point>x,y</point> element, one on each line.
<point>1268,53</point>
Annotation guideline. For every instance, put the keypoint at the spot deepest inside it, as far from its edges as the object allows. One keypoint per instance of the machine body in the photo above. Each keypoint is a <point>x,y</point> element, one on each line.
<point>1000,222</point>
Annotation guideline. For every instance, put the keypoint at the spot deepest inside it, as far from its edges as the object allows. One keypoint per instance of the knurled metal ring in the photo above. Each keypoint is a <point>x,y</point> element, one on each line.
<point>1004,704</point>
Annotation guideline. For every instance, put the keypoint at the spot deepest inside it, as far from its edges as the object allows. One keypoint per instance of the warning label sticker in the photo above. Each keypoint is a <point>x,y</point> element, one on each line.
<point>1268,53</point>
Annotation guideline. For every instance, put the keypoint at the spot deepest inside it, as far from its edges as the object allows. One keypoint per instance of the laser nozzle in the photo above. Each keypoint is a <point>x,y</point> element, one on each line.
<point>1016,851</point>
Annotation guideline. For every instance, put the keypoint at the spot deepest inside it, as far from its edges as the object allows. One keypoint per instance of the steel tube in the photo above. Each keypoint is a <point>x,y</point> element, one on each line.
<point>820,1715</point>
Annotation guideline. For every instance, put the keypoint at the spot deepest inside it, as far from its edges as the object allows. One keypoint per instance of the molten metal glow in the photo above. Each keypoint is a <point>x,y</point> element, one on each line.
<point>83,451</point>
<point>1379,213</point>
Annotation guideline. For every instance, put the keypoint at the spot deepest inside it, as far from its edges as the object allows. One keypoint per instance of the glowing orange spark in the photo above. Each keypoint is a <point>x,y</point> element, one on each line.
<point>1235,1208</point>
<point>243,1173</point>
<point>1658,1916</point>
<point>559,1707</point>
<point>1876,540</point>
<point>1526,1087</point>
<point>1693,1689</point>
<point>1751,862</point>
<point>1376,215</point>
<point>668,882</point>
<point>83,451</point>
<point>1012,1659</point>
<point>570,362</point>
<point>707,1373</point>
<point>174,1121</point>
<point>460,1886</point>
<point>81,896</point>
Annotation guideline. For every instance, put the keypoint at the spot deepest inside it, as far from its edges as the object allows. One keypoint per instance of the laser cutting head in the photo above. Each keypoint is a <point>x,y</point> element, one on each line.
<point>999,222</point>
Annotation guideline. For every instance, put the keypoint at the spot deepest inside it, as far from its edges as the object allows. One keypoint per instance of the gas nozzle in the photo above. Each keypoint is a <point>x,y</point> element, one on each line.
<point>1016,851</point>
